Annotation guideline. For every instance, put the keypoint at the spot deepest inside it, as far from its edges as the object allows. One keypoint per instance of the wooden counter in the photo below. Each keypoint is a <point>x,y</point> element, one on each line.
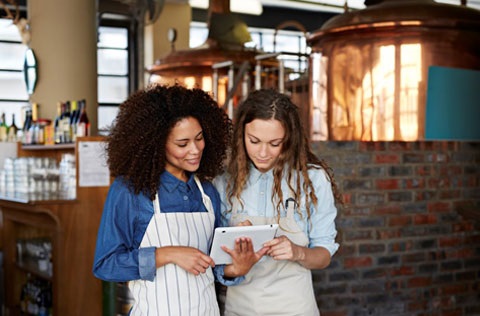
<point>71,226</point>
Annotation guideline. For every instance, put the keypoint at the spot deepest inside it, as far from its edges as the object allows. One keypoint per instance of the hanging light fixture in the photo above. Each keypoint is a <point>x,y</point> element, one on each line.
<point>252,7</point>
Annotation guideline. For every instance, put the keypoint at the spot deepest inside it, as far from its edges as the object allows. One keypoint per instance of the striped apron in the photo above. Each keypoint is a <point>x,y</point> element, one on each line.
<point>174,290</point>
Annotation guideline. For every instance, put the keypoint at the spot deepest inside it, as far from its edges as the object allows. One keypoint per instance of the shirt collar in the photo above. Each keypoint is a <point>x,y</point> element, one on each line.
<point>171,183</point>
<point>256,175</point>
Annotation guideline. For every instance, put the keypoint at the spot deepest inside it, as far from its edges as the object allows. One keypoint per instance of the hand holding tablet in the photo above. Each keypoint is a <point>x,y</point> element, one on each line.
<point>225,236</point>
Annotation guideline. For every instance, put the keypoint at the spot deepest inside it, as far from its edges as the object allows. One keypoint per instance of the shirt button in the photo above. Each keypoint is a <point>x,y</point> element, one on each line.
<point>185,197</point>
<point>261,193</point>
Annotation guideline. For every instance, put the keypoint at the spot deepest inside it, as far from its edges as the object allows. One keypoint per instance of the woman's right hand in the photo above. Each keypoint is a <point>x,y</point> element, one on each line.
<point>188,258</point>
<point>243,257</point>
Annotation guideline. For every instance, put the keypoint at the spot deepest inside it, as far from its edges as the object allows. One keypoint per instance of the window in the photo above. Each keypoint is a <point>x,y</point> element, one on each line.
<point>13,92</point>
<point>293,43</point>
<point>113,72</point>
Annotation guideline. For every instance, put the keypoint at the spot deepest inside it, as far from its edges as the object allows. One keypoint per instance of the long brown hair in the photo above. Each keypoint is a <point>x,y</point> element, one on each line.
<point>296,156</point>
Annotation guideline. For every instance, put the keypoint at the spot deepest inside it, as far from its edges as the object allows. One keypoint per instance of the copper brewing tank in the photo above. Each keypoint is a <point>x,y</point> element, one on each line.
<point>369,68</point>
<point>225,43</point>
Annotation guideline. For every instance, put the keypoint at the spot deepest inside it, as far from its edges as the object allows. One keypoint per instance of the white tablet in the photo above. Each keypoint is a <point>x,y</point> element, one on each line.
<point>225,236</point>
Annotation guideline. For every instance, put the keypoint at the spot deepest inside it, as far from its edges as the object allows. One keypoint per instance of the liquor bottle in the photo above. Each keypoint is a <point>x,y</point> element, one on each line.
<point>23,299</point>
<point>83,126</point>
<point>65,124</point>
<point>58,134</point>
<point>12,130</point>
<point>32,131</point>
<point>27,137</point>
<point>74,115</point>
<point>3,128</point>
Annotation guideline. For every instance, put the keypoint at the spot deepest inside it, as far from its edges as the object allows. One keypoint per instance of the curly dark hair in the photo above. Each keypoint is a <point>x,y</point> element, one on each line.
<point>136,143</point>
<point>296,155</point>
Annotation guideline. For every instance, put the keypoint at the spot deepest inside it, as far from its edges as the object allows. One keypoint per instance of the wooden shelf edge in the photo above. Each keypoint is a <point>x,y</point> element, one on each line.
<point>48,147</point>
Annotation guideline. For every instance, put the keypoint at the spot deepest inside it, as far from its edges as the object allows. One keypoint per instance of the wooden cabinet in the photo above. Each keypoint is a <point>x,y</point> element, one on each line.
<point>71,226</point>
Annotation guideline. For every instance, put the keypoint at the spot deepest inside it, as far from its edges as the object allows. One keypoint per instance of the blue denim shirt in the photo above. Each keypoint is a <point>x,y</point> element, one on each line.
<point>118,256</point>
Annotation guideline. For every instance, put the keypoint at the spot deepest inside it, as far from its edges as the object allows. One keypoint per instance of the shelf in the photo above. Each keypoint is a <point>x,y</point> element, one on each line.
<point>49,147</point>
<point>32,267</point>
<point>30,199</point>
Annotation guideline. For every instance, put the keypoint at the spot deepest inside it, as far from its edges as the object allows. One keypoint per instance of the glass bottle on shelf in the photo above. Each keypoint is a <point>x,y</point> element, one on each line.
<point>3,128</point>
<point>83,127</point>
<point>12,130</point>
<point>27,137</point>
<point>73,119</point>
<point>65,123</point>
<point>56,125</point>
<point>33,130</point>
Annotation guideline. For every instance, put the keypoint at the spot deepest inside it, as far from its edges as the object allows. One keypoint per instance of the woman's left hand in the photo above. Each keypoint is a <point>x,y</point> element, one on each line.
<point>282,248</point>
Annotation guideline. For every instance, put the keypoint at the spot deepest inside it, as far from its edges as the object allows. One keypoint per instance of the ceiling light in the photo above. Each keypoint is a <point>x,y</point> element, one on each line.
<point>253,7</point>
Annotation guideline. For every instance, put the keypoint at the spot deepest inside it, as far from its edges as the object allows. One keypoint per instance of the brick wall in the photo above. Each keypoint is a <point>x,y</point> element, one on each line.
<point>410,243</point>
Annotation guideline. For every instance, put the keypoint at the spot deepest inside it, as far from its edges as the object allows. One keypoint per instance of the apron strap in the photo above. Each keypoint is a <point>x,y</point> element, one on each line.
<point>156,204</point>
<point>205,198</point>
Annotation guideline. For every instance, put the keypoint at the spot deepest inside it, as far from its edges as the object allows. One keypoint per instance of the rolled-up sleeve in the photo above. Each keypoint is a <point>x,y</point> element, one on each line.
<point>146,263</point>
<point>219,272</point>
<point>322,231</point>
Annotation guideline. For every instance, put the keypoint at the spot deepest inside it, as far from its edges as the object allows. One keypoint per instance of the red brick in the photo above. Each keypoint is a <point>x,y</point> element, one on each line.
<point>345,250</point>
<point>426,146</point>
<point>391,209</point>
<point>357,262</point>
<point>473,239</point>
<point>425,195</point>
<point>388,234</point>
<point>402,271</point>
<point>347,198</point>
<point>421,219</point>
<point>372,146</point>
<point>449,241</point>
<point>399,220</point>
<point>388,184</point>
<point>453,289</point>
<point>455,312</point>
<point>472,181</point>
<point>385,158</point>
<point>397,146</point>
<point>418,306</point>
<point>449,195</point>
<point>419,282</point>
<point>438,183</point>
<point>462,227</point>
<point>401,246</point>
<point>424,171</point>
<point>439,207</point>
<point>465,253</point>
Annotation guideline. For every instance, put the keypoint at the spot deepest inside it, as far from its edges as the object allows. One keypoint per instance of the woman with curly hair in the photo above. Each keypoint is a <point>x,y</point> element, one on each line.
<point>166,143</point>
<point>274,177</point>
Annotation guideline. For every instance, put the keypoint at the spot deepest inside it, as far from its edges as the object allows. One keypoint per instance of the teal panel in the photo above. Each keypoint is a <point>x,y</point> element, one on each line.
<point>453,104</point>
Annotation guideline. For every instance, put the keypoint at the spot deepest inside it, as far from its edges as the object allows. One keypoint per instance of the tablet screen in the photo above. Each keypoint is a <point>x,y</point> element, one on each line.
<point>225,236</point>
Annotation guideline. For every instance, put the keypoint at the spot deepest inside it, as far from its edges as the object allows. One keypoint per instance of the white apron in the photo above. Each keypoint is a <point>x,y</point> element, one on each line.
<point>175,291</point>
<point>273,287</point>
